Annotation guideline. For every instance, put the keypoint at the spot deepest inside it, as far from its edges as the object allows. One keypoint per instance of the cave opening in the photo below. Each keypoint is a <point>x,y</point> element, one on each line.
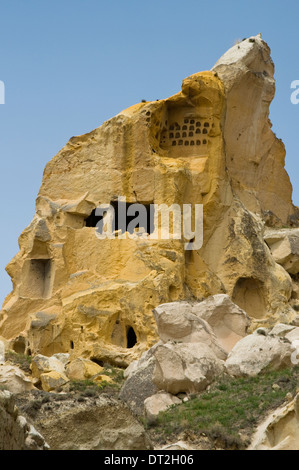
<point>131,337</point>
<point>124,215</point>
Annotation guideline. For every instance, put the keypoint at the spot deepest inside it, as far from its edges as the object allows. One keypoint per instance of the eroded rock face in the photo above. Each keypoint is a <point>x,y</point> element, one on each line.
<point>16,433</point>
<point>103,424</point>
<point>13,379</point>
<point>258,352</point>
<point>209,144</point>
<point>284,246</point>
<point>254,156</point>
<point>185,367</point>
<point>280,431</point>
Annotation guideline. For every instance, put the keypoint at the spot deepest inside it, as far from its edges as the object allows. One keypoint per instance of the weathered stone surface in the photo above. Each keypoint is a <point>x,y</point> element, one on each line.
<point>82,369</point>
<point>13,379</point>
<point>284,246</point>
<point>185,367</point>
<point>281,330</point>
<point>42,364</point>
<point>139,383</point>
<point>280,431</point>
<point>75,293</point>
<point>228,321</point>
<point>15,432</point>
<point>161,401</point>
<point>256,352</point>
<point>53,380</point>
<point>255,155</point>
<point>104,424</point>
<point>178,321</point>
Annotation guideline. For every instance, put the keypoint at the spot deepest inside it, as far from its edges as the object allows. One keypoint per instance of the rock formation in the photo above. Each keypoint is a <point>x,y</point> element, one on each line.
<point>102,423</point>
<point>185,364</point>
<point>280,431</point>
<point>16,433</point>
<point>209,144</point>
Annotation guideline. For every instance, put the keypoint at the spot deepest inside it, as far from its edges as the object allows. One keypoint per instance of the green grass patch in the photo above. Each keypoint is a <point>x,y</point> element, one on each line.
<point>230,410</point>
<point>91,387</point>
<point>115,373</point>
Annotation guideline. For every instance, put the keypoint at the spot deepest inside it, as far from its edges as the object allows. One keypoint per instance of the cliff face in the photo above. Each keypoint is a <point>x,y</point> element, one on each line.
<point>210,144</point>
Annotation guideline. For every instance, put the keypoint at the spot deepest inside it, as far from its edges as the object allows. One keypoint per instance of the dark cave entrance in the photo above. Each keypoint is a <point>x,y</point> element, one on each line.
<point>131,337</point>
<point>127,217</point>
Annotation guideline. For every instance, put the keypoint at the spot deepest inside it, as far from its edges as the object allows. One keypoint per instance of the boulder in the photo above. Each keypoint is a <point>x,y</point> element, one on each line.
<point>82,369</point>
<point>281,330</point>
<point>13,379</point>
<point>293,335</point>
<point>178,321</point>
<point>139,383</point>
<point>62,357</point>
<point>161,401</point>
<point>41,364</point>
<point>284,246</point>
<point>228,321</point>
<point>53,380</point>
<point>185,367</point>
<point>257,352</point>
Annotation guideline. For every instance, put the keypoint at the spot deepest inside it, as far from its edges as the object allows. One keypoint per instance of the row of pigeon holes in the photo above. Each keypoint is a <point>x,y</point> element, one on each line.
<point>180,135</point>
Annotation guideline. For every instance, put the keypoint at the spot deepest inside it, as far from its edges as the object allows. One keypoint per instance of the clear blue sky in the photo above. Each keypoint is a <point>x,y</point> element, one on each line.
<point>69,65</point>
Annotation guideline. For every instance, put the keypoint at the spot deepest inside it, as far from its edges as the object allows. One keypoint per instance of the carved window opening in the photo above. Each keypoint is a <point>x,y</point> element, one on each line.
<point>38,279</point>
<point>92,219</point>
<point>121,221</point>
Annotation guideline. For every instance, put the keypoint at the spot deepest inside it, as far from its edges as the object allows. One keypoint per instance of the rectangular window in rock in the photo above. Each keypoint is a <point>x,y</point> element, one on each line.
<point>37,278</point>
